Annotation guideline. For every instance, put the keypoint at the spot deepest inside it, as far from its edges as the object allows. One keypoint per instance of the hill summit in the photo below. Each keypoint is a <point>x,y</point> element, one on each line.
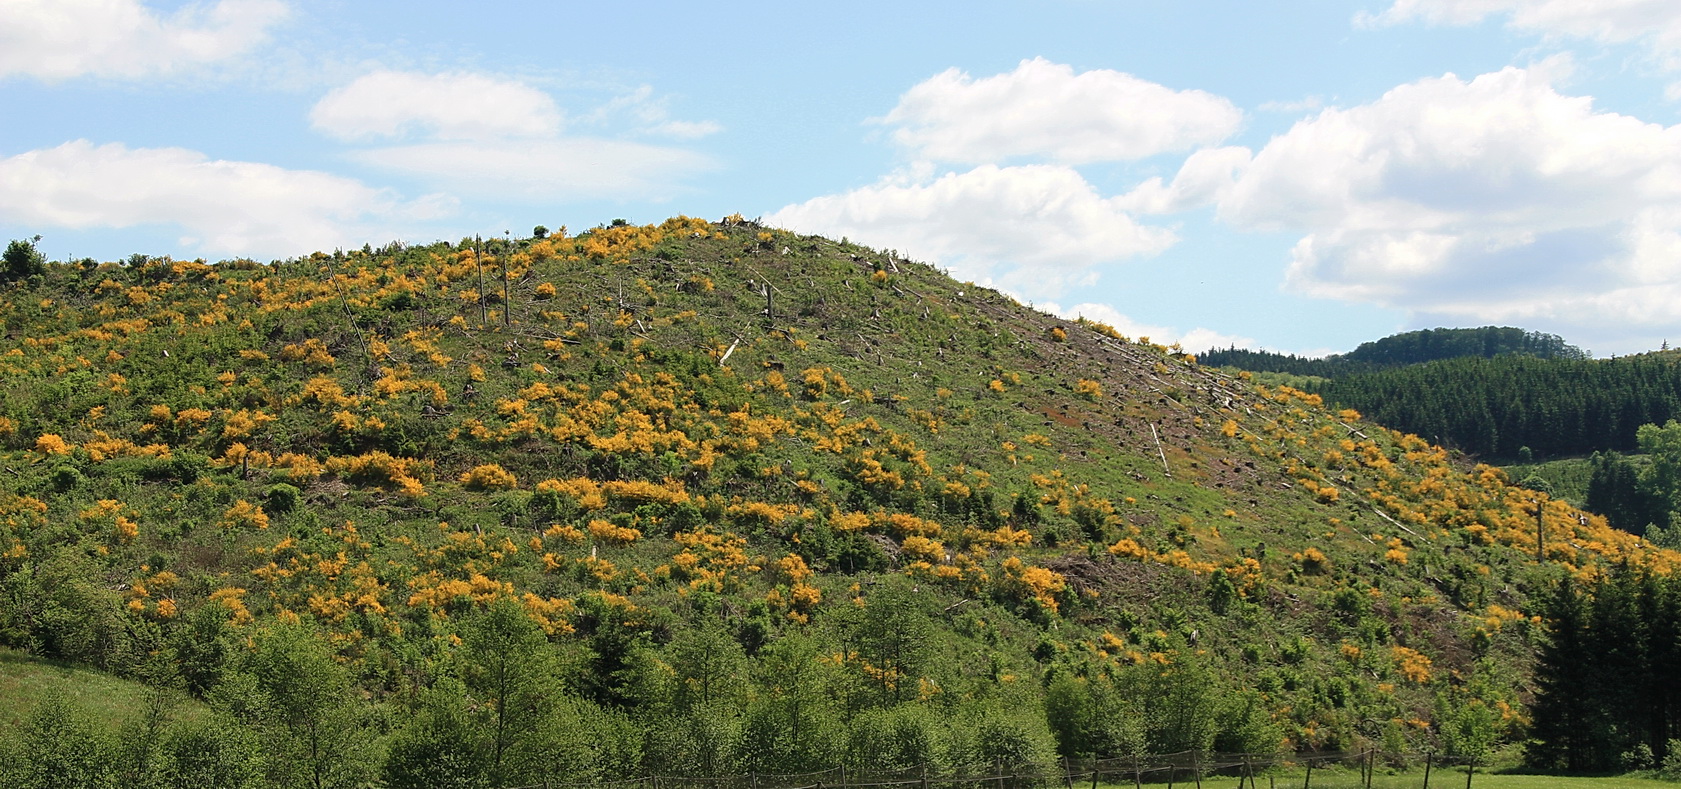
<point>735,500</point>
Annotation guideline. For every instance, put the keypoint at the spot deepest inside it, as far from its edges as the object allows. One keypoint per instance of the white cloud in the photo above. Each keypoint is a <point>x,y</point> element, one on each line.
<point>1497,199</point>
<point>1195,341</point>
<point>1037,229</point>
<point>61,39</point>
<point>492,137</point>
<point>1654,23</point>
<point>222,207</point>
<point>570,168</point>
<point>1044,109</point>
<point>1205,176</point>
<point>443,106</point>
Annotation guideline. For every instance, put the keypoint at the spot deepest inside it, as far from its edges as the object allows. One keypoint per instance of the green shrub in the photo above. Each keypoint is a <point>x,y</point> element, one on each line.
<point>283,498</point>
<point>22,260</point>
<point>66,477</point>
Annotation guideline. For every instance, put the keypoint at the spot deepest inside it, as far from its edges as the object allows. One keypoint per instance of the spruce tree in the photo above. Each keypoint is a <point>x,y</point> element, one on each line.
<point>1563,703</point>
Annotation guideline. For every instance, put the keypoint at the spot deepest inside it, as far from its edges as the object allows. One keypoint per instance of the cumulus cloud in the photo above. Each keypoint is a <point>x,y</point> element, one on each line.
<point>61,39</point>
<point>489,136</point>
<point>1195,341</point>
<point>1496,199</point>
<point>221,207</point>
<point>443,106</point>
<point>1034,229</point>
<point>1046,110</point>
<point>1205,177</point>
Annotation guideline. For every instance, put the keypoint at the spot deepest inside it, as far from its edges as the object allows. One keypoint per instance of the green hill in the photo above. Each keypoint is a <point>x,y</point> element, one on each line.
<point>710,498</point>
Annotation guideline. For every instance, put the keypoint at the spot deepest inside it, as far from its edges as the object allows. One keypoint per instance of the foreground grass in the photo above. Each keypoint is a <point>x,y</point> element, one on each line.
<point>25,681</point>
<point>1414,779</point>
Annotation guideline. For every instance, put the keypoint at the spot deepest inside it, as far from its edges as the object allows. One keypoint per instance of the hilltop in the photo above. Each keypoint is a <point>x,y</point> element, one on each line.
<point>711,478</point>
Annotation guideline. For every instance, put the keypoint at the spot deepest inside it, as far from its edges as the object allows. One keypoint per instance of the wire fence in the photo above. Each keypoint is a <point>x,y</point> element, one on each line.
<point>1313,770</point>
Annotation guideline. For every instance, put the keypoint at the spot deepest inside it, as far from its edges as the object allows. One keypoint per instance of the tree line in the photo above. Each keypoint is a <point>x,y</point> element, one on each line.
<point>879,689</point>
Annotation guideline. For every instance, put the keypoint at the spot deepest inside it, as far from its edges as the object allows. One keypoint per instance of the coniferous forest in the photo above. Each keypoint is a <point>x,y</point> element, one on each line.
<point>1499,394</point>
<point>1494,408</point>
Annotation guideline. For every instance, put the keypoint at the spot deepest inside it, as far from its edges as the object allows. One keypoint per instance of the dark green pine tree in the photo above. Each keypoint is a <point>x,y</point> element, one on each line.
<point>1563,702</point>
<point>1619,667</point>
<point>1662,615</point>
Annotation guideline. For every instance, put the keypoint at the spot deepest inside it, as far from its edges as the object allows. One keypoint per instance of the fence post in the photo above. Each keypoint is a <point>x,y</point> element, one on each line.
<point>1067,773</point>
<point>1196,767</point>
<point>1137,775</point>
<point>1428,757</point>
<point>1371,766</point>
<point>1470,767</point>
<point>1307,780</point>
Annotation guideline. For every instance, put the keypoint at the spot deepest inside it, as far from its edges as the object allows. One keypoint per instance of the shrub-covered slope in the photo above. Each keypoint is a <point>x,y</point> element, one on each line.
<point>734,477</point>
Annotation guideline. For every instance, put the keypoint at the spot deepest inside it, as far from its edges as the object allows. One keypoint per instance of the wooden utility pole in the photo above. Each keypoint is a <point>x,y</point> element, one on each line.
<point>507,256</point>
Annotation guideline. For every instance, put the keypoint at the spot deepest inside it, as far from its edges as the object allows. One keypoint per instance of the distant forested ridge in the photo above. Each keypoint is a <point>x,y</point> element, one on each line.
<point>1491,392</point>
<point>1495,407</point>
<point>1415,347</point>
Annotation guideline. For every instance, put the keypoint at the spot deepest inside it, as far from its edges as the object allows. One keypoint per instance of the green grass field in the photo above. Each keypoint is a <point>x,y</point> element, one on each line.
<point>25,680</point>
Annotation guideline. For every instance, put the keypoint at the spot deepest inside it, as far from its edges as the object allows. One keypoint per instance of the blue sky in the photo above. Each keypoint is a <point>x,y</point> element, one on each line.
<point>1300,176</point>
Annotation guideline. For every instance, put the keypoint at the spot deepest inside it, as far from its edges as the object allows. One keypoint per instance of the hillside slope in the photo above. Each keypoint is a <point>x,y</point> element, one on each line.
<point>926,494</point>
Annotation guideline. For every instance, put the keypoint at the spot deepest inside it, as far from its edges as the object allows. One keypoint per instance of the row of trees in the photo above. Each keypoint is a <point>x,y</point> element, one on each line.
<point>1608,679</point>
<point>508,707</point>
